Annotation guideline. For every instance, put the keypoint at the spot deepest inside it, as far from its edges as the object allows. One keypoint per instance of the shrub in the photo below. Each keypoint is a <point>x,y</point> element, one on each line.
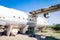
<point>56,27</point>
<point>45,31</point>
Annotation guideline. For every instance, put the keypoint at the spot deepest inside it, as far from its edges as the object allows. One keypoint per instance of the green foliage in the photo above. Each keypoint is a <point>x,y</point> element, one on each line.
<point>45,31</point>
<point>56,27</point>
<point>57,31</point>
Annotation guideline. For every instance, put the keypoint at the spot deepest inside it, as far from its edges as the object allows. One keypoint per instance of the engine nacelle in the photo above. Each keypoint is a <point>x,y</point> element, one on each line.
<point>46,15</point>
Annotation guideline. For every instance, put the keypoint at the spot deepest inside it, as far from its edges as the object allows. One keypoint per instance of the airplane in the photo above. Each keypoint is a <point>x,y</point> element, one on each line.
<point>10,17</point>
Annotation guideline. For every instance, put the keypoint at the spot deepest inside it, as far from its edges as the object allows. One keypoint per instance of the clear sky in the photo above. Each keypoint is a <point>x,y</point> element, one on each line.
<point>30,5</point>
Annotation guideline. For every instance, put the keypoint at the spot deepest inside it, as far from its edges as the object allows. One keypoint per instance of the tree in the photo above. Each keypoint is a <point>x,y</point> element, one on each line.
<point>56,27</point>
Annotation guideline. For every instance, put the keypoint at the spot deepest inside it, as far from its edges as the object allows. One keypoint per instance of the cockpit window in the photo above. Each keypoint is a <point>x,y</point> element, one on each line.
<point>30,19</point>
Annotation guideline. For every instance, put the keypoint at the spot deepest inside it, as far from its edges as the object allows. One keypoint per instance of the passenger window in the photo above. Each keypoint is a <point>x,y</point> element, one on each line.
<point>14,16</point>
<point>23,18</point>
<point>19,17</point>
<point>4,17</point>
<point>29,19</point>
<point>0,17</point>
<point>44,22</point>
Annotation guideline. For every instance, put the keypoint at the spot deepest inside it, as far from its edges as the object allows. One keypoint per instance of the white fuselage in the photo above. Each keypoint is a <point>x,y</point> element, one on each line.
<point>12,16</point>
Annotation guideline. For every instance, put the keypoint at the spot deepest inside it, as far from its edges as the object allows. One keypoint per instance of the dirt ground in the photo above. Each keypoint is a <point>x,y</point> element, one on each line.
<point>17,37</point>
<point>49,36</point>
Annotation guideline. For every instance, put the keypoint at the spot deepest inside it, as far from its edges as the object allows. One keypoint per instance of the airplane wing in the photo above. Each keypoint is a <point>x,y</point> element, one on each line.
<point>46,10</point>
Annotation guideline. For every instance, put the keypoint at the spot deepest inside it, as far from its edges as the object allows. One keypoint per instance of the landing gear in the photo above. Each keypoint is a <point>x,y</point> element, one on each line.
<point>31,32</point>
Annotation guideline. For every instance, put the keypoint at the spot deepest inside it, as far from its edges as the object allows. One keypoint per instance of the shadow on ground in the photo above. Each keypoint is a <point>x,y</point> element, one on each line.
<point>47,37</point>
<point>38,37</point>
<point>3,33</point>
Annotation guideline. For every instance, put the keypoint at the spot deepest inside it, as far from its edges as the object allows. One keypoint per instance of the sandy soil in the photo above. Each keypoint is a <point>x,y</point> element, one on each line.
<point>17,37</point>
